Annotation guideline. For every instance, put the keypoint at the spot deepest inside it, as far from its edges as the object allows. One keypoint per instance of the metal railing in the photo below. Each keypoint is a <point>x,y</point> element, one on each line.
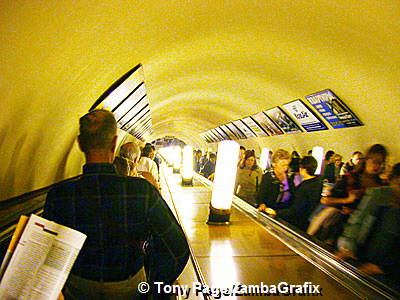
<point>11,209</point>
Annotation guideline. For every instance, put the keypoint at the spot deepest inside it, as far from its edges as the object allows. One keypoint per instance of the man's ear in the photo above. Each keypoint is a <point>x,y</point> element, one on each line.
<point>114,144</point>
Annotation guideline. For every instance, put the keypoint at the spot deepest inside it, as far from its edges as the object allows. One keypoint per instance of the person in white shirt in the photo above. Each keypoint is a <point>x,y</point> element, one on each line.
<point>146,164</point>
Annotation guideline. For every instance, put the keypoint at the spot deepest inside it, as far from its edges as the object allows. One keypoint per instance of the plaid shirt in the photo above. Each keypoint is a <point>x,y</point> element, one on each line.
<point>136,207</point>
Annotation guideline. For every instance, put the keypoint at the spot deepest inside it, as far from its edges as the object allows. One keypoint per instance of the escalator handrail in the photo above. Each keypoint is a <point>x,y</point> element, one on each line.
<point>196,265</point>
<point>33,194</point>
<point>24,198</point>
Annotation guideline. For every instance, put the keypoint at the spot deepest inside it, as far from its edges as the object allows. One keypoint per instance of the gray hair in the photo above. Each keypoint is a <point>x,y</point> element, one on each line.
<point>130,151</point>
<point>97,130</point>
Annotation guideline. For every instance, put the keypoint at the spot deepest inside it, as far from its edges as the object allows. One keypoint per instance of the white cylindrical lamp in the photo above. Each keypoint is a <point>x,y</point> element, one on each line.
<point>176,159</point>
<point>318,153</point>
<point>187,165</point>
<point>265,158</point>
<point>224,182</point>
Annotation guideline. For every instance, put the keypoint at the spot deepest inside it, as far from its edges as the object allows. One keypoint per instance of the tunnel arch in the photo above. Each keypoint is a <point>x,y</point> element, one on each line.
<point>205,64</point>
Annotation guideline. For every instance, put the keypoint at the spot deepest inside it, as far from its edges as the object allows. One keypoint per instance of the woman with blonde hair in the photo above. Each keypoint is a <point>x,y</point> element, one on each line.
<point>276,188</point>
<point>248,178</point>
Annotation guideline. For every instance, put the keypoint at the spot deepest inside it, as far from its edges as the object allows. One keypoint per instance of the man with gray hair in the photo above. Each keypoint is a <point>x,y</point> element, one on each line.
<point>118,214</point>
<point>130,151</point>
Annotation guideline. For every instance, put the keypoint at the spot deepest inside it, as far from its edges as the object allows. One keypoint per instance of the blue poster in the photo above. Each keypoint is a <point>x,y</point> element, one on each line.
<point>333,109</point>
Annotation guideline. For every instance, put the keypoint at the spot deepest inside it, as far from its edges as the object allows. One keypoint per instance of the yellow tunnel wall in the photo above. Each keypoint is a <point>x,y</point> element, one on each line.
<point>205,62</point>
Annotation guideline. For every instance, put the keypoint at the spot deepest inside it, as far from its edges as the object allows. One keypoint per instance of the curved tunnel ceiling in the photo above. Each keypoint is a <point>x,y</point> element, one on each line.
<point>205,63</point>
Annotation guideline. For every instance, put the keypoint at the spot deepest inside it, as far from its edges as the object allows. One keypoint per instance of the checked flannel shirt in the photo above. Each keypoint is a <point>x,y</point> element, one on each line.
<point>136,207</point>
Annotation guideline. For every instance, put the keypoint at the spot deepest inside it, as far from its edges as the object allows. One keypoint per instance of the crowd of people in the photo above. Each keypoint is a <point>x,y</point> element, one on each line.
<point>353,207</point>
<point>136,162</point>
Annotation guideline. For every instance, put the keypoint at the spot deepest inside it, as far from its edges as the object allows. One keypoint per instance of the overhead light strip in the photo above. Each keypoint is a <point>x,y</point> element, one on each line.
<point>141,127</point>
<point>132,107</point>
<point>127,97</point>
<point>147,105</point>
<point>133,124</point>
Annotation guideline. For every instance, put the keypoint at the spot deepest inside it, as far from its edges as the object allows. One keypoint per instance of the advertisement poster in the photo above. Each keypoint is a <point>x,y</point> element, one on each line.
<point>210,137</point>
<point>213,136</point>
<point>240,135</point>
<point>333,109</point>
<point>205,137</point>
<point>254,126</point>
<point>304,116</point>
<point>217,134</point>
<point>243,128</point>
<point>283,120</point>
<point>269,126</point>
<point>231,135</point>
<point>222,133</point>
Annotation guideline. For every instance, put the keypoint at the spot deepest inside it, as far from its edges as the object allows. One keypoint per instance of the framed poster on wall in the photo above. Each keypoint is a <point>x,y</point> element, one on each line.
<point>333,109</point>
<point>222,133</point>
<point>217,134</point>
<point>205,136</point>
<point>240,135</point>
<point>243,128</point>
<point>226,129</point>
<point>304,116</point>
<point>213,136</point>
<point>254,127</point>
<point>264,121</point>
<point>283,120</point>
